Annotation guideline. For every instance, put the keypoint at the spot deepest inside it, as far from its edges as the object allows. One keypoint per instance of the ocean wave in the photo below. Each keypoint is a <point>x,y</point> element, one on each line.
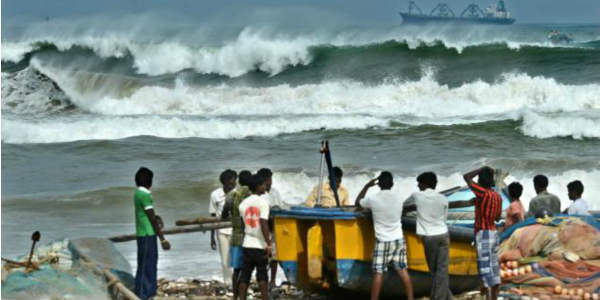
<point>255,51</point>
<point>574,125</point>
<point>424,98</point>
<point>96,111</point>
<point>112,128</point>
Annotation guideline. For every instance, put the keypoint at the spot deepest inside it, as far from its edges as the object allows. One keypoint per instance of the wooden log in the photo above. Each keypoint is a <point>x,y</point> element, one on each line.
<point>198,228</point>
<point>113,281</point>
<point>198,221</point>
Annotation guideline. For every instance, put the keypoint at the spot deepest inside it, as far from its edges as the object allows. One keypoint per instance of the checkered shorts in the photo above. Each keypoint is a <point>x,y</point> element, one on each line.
<point>487,257</point>
<point>389,253</point>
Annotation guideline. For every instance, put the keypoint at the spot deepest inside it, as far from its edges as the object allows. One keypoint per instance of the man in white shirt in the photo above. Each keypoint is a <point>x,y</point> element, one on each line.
<point>215,207</point>
<point>274,199</point>
<point>390,248</point>
<point>256,248</point>
<point>579,206</point>
<point>432,211</point>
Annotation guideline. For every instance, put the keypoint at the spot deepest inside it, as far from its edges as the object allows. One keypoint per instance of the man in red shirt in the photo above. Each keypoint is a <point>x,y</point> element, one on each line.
<point>488,209</point>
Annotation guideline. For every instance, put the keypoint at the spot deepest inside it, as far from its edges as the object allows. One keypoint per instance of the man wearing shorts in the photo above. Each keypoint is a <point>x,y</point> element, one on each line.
<point>390,249</point>
<point>488,209</point>
<point>256,248</point>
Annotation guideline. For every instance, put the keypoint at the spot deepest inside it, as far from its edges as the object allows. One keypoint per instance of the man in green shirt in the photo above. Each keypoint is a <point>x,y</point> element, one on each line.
<point>147,226</point>
<point>231,209</point>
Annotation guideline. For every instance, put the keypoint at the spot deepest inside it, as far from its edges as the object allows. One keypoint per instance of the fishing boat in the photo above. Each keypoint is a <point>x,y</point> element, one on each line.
<point>329,250</point>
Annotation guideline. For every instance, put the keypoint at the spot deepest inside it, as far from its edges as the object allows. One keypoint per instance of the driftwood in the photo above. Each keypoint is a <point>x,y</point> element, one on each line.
<point>198,221</point>
<point>199,228</point>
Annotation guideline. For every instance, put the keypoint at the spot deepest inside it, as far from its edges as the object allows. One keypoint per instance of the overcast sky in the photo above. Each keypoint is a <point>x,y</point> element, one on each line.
<point>356,11</point>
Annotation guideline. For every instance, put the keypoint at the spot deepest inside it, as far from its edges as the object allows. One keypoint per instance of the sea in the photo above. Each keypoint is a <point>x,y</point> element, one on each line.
<point>84,106</point>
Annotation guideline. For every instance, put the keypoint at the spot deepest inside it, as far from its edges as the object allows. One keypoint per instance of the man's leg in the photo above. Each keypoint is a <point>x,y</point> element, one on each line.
<point>376,285</point>
<point>403,273</point>
<point>273,262</point>
<point>380,252</point>
<point>146,271</point>
<point>401,264</point>
<point>262,275</point>
<point>235,283</point>
<point>224,242</point>
<point>431,258</point>
<point>495,291</point>
<point>273,267</point>
<point>247,268</point>
<point>139,273</point>
<point>443,282</point>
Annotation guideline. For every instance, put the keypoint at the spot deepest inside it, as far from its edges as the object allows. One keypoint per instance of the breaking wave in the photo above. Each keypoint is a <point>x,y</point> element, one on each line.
<point>253,51</point>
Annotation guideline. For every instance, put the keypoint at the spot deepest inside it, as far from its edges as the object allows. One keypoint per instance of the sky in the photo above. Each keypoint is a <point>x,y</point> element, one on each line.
<point>352,11</point>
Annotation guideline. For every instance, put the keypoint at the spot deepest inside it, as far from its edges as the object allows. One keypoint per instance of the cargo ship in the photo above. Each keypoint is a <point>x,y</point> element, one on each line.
<point>473,14</point>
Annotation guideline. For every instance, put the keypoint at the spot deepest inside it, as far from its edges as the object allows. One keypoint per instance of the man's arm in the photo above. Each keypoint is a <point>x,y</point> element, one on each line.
<point>410,204</point>
<point>154,221</point>
<point>364,190</point>
<point>460,204</point>
<point>226,212</point>
<point>468,177</point>
<point>344,198</point>
<point>212,210</point>
<point>264,227</point>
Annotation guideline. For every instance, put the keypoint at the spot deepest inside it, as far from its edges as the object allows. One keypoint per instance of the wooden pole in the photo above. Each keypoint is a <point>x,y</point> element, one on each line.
<point>112,280</point>
<point>199,228</point>
<point>198,221</point>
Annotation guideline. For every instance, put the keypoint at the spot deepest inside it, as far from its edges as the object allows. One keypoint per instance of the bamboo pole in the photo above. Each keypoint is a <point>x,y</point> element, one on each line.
<point>199,228</point>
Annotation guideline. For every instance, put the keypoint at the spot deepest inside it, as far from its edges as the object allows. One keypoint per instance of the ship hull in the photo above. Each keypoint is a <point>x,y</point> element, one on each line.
<point>424,19</point>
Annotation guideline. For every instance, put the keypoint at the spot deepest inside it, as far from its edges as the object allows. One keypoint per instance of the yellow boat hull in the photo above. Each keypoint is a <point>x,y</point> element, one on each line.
<point>326,253</point>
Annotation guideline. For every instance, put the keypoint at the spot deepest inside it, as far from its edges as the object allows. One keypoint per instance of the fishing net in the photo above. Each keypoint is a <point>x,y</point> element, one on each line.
<point>553,238</point>
<point>62,273</point>
<point>554,256</point>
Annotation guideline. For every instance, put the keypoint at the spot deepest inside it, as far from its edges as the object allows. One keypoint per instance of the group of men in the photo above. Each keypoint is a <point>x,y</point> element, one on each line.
<point>249,244</point>
<point>431,209</point>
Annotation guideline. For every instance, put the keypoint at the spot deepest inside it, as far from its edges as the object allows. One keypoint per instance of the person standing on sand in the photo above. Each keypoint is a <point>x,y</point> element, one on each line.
<point>432,212</point>
<point>215,208</point>
<point>544,201</point>
<point>488,210</point>
<point>515,212</point>
<point>274,199</point>
<point>256,248</point>
<point>147,228</point>
<point>231,209</point>
<point>390,248</point>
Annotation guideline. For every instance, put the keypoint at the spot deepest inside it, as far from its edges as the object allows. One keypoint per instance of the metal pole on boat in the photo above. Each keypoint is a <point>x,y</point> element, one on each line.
<point>321,171</point>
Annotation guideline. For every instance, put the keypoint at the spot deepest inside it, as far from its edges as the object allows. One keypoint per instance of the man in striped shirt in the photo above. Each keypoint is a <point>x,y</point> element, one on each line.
<point>488,209</point>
